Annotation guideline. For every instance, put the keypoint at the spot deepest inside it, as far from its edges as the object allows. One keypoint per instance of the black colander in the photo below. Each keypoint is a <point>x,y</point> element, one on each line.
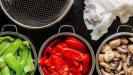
<point>36,14</point>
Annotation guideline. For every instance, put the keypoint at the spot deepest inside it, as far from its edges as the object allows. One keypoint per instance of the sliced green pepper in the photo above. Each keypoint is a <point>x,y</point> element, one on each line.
<point>29,64</point>
<point>3,46</point>
<point>26,43</point>
<point>0,72</point>
<point>23,59</point>
<point>6,38</point>
<point>5,71</point>
<point>13,47</point>
<point>11,61</point>
<point>2,62</point>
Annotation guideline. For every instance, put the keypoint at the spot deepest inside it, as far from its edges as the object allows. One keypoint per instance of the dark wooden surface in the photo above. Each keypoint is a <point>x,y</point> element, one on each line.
<point>74,18</point>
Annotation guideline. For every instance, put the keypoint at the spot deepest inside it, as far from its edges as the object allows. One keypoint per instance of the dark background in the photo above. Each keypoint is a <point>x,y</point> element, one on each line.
<point>74,18</point>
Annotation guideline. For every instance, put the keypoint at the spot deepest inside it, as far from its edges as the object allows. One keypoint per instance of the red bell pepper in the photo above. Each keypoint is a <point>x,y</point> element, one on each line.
<point>45,71</point>
<point>86,63</point>
<point>42,61</point>
<point>60,65</point>
<point>73,42</point>
<point>74,71</point>
<point>71,54</point>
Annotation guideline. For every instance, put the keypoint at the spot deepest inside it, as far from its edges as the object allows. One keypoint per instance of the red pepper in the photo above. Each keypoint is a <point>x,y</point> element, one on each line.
<point>42,61</point>
<point>61,45</point>
<point>45,71</point>
<point>71,54</point>
<point>73,42</point>
<point>86,62</point>
<point>74,71</point>
<point>60,65</point>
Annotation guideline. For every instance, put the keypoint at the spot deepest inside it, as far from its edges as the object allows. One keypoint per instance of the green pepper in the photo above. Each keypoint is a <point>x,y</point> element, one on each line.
<point>26,43</point>
<point>6,38</point>
<point>5,71</point>
<point>13,47</point>
<point>29,64</point>
<point>0,72</point>
<point>3,46</point>
<point>23,59</point>
<point>11,61</point>
<point>2,62</point>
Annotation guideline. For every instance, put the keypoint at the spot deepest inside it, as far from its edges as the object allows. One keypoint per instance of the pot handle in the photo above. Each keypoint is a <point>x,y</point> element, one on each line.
<point>125,27</point>
<point>66,26</point>
<point>9,25</point>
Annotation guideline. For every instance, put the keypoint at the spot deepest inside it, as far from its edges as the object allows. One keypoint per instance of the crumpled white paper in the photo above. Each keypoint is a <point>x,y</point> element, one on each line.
<point>99,14</point>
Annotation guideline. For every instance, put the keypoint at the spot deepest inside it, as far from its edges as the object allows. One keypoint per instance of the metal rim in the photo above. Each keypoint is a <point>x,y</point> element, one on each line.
<point>104,42</point>
<point>25,38</point>
<point>70,34</point>
<point>41,27</point>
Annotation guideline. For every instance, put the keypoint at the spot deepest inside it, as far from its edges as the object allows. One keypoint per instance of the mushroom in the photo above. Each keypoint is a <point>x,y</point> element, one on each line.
<point>124,57</point>
<point>127,69</point>
<point>121,73</point>
<point>130,48</point>
<point>122,49</point>
<point>101,58</point>
<point>120,66</point>
<point>109,56</point>
<point>106,48</point>
<point>131,39</point>
<point>106,73</point>
<point>115,43</point>
<point>130,60</point>
<point>124,41</point>
<point>114,64</point>
<point>106,66</point>
<point>117,55</point>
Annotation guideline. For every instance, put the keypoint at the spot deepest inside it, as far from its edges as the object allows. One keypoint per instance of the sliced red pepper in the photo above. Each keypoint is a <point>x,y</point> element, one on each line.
<point>71,54</point>
<point>86,63</point>
<point>75,71</point>
<point>73,42</point>
<point>61,45</point>
<point>60,65</point>
<point>45,71</point>
<point>42,61</point>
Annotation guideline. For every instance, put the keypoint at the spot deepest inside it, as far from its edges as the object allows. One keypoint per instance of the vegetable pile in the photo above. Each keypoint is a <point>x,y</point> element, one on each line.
<point>65,56</point>
<point>116,56</point>
<point>15,56</point>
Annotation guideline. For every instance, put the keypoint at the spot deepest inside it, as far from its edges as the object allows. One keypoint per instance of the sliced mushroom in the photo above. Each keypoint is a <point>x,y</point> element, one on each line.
<point>119,68</point>
<point>124,57</point>
<point>114,64</point>
<point>122,49</point>
<point>101,58</point>
<point>130,60</point>
<point>106,48</point>
<point>124,41</point>
<point>109,56</point>
<point>121,73</point>
<point>106,73</point>
<point>106,66</point>
<point>131,39</point>
<point>125,68</point>
<point>130,48</point>
<point>117,54</point>
<point>115,43</point>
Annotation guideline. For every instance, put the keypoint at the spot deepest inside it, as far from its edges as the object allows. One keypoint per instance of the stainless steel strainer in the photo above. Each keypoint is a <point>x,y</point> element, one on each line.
<point>36,14</point>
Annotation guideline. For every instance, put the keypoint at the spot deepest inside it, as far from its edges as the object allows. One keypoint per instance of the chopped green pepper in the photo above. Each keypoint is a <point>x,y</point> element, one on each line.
<point>6,38</point>
<point>3,46</point>
<point>14,46</point>
<point>5,71</point>
<point>11,61</point>
<point>23,59</point>
<point>29,65</point>
<point>26,43</point>
<point>2,62</point>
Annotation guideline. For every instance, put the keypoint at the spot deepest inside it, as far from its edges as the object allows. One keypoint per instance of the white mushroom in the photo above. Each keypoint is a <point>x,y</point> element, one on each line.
<point>131,39</point>
<point>101,58</point>
<point>124,57</point>
<point>106,48</point>
<point>119,68</point>
<point>115,43</point>
<point>122,49</point>
<point>130,48</point>
<point>117,54</point>
<point>109,56</point>
<point>124,41</point>
<point>130,60</point>
<point>114,64</point>
<point>106,66</point>
<point>106,73</point>
<point>121,73</point>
